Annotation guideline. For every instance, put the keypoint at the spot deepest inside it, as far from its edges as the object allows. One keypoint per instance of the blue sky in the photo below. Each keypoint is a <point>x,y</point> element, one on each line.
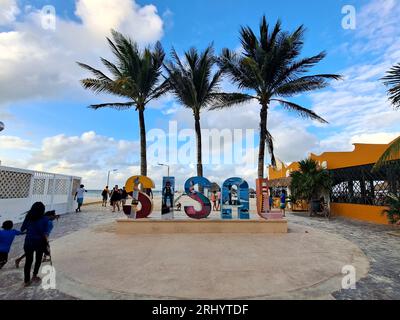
<point>44,107</point>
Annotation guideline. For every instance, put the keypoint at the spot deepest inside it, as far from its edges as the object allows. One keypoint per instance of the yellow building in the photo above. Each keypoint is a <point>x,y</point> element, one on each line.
<point>358,192</point>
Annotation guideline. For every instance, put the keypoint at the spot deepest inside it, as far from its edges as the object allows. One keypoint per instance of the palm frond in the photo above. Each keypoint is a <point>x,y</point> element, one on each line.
<point>226,100</point>
<point>192,81</point>
<point>113,105</point>
<point>304,112</point>
<point>97,73</point>
<point>135,74</point>
<point>391,153</point>
<point>112,68</point>
<point>304,84</point>
<point>270,146</point>
<point>392,80</point>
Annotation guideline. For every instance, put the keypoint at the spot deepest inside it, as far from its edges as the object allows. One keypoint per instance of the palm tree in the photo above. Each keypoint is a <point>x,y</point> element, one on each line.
<point>196,87</point>
<point>392,80</point>
<point>270,67</point>
<point>310,181</point>
<point>135,75</point>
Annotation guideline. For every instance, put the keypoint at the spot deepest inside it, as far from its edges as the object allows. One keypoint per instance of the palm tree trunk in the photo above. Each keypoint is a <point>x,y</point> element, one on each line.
<point>143,157</point>
<point>263,137</point>
<point>198,141</point>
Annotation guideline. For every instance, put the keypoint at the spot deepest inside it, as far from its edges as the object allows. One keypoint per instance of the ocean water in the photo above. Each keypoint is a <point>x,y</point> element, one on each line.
<point>97,193</point>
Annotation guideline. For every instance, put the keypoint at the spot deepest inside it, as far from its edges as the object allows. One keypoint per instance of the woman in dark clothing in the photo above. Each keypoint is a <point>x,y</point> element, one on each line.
<point>115,198</point>
<point>36,226</point>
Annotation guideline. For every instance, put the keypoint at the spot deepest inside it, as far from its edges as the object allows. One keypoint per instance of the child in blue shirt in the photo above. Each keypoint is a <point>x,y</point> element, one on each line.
<point>7,236</point>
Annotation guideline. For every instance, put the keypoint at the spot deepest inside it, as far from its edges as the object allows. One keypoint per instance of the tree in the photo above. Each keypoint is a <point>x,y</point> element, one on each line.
<point>392,80</point>
<point>135,75</point>
<point>196,86</point>
<point>310,181</point>
<point>393,212</point>
<point>269,66</point>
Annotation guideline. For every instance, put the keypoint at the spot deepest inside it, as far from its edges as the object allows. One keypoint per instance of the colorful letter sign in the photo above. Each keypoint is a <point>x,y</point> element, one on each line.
<point>232,198</point>
<point>205,203</point>
<point>132,188</point>
<point>262,192</point>
<point>168,191</point>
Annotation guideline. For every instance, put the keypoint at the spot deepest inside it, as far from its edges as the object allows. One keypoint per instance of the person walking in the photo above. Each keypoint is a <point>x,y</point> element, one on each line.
<point>51,216</point>
<point>7,236</point>
<point>115,198</point>
<point>283,202</point>
<point>79,195</point>
<point>124,196</point>
<point>36,226</point>
<point>105,193</point>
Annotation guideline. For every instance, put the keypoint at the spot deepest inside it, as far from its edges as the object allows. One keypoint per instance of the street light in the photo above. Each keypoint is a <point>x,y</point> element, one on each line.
<point>164,165</point>
<point>108,176</point>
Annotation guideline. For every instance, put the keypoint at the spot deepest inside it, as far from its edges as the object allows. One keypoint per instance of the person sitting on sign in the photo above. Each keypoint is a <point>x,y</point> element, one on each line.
<point>135,193</point>
<point>234,198</point>
<point>229,186</point>
<point>191,188</point>
<point>178,206</point>
<point>168,194</point>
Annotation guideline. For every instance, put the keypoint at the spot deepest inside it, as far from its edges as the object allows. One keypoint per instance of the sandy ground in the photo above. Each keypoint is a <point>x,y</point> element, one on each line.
<point>97,263</point>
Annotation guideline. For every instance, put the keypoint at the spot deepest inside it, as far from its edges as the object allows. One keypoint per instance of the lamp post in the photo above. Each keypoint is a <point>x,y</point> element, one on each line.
<point>165,165</point>
<point>108,176</point>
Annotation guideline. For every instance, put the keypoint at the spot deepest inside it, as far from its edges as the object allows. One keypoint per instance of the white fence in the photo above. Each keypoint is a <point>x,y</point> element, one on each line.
<point>20,188</point>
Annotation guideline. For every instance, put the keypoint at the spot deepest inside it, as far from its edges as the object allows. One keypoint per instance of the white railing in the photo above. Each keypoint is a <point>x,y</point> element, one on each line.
<point>20,188</point>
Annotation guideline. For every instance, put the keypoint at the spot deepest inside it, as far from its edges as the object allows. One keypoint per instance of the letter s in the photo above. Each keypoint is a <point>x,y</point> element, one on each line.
<point>205,203</point>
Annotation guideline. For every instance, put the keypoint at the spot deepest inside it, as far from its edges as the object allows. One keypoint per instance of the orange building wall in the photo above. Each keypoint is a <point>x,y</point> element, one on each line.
<point>361,155</point>
<point>359,212</point>
<point>278,174</point>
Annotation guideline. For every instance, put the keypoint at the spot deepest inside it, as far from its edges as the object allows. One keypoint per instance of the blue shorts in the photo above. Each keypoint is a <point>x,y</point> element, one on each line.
<point>283,205</point>
<point>80,201</point>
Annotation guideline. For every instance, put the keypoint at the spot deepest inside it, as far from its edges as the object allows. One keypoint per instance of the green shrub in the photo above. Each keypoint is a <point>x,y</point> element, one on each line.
<point>393,213</point>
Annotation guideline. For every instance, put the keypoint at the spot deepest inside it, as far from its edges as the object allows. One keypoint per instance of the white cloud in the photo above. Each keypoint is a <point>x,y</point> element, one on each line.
<point>12,142</point>
<point>44,60</point>
<point>8,11</point>
<point>89,155</point>
<point>99,16</point>
<point>378,22</point>
<point>357,107</point>
<point>375,138</point>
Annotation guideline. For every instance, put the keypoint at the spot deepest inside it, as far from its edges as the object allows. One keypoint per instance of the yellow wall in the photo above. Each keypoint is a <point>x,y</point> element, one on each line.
<point>359,212</point>
<point>278,174</point>
<point>361,155</point>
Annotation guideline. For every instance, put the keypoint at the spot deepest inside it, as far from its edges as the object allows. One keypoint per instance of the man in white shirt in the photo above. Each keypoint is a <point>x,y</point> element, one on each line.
<point>79,195</point>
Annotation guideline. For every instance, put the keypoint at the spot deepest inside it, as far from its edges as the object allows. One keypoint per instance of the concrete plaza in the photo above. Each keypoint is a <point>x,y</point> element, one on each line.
<point>93,262</point>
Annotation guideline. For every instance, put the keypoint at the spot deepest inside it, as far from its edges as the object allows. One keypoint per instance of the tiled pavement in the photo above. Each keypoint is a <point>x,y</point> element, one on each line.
<point>381,248</point>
